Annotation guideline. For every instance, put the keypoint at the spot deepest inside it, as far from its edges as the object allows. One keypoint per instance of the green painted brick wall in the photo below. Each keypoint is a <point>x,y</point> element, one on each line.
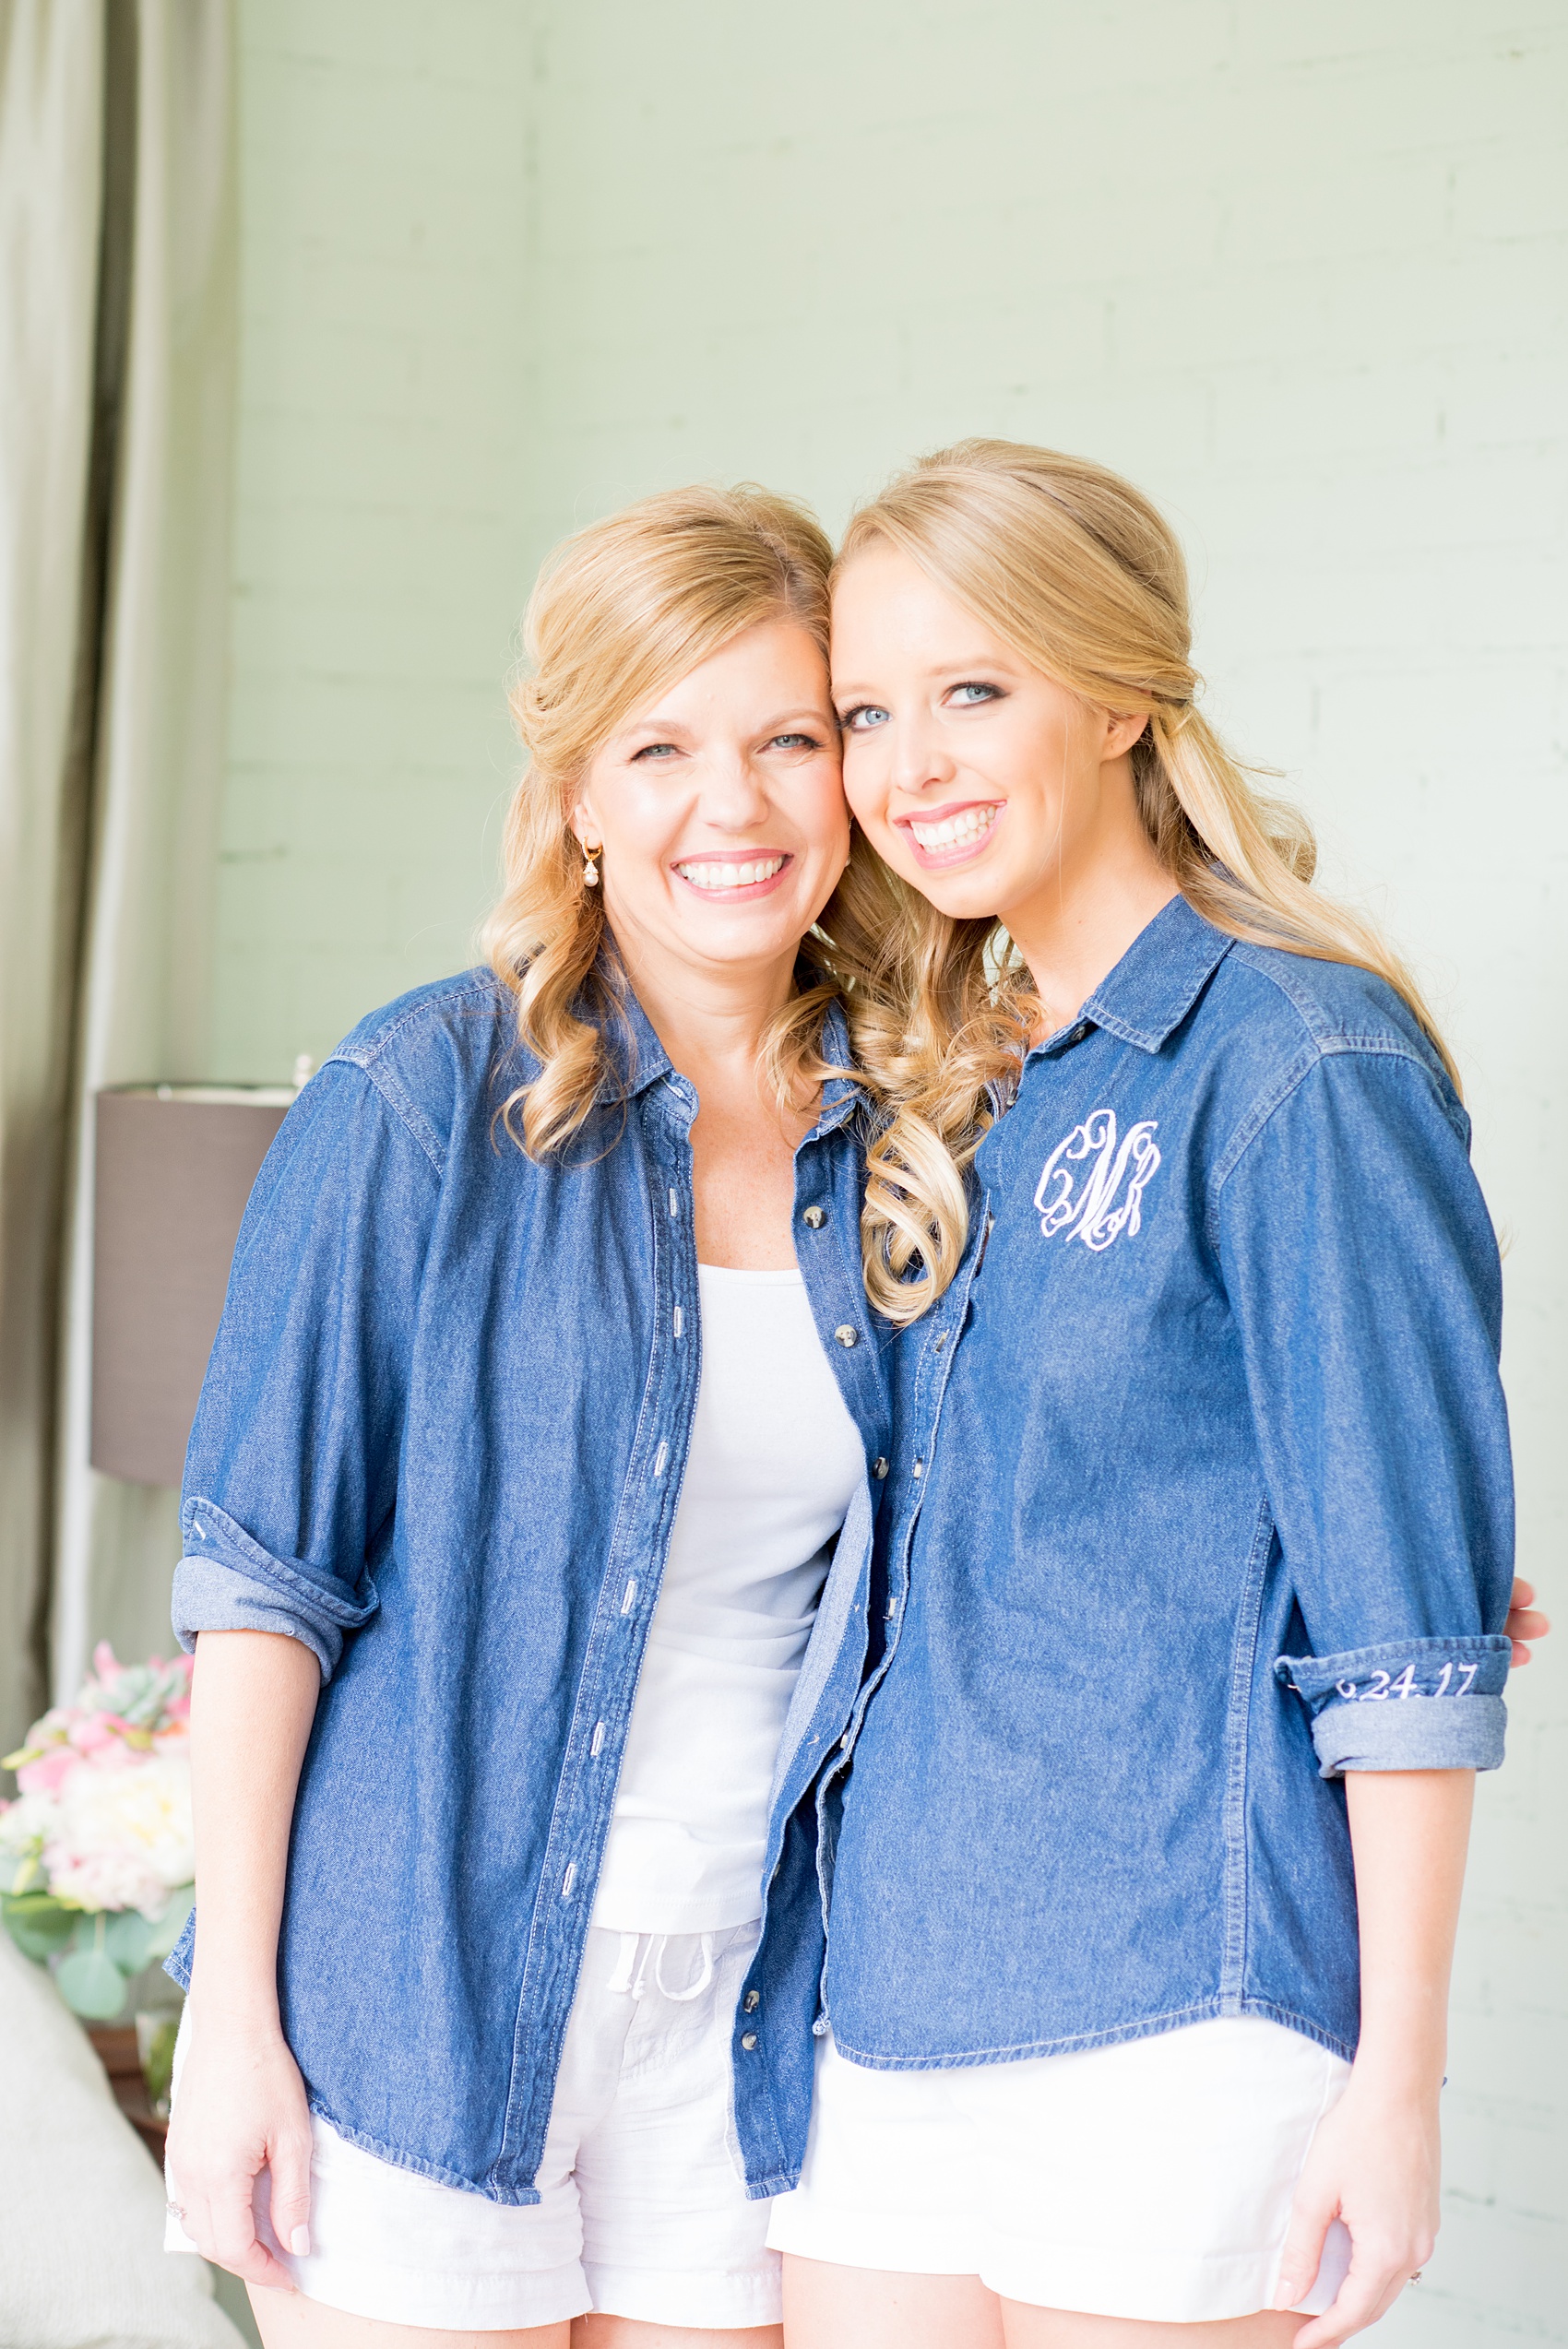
<point>1299,271</point>
<point>383,471</point>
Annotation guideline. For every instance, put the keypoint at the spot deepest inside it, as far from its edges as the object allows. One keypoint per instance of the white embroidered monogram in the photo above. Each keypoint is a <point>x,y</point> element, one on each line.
<point>1087,1210</point>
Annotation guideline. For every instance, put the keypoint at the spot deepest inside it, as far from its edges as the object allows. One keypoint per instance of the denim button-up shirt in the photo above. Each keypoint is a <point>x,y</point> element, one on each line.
<point>441,1441</point>
<point>1200,1497</point>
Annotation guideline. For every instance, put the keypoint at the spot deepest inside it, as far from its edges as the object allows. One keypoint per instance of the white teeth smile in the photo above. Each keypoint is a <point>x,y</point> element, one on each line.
<point>731,876</point>
<point>956,831</point>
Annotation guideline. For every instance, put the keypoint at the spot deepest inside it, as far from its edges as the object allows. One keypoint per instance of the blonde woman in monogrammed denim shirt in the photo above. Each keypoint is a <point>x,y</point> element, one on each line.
<point>1145,1833</point>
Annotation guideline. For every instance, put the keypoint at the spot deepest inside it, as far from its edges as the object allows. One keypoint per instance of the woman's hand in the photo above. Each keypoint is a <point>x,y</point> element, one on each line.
<point>1524,1623</point>
<point>240,2108</point>
<point>1375,2165</point>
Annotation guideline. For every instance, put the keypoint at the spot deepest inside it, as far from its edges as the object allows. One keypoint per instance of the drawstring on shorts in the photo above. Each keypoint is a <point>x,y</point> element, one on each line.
<point>637,1951</point>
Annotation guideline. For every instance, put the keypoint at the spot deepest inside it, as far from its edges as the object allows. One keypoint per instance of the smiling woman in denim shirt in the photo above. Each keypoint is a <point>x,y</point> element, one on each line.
<point>545,1383</point>
<point>1148,1825</point>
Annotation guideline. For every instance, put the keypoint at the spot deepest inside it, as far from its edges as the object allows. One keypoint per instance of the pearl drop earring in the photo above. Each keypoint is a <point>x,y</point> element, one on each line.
<point>591,871</point>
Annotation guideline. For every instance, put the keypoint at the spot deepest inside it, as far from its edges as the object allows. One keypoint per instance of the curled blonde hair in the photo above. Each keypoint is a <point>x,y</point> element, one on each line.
<point>1075,570</point>
<point>621,610</point>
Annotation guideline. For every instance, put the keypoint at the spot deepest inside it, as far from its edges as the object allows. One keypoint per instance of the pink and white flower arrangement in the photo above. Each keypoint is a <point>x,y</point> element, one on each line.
<point>97,1853</point>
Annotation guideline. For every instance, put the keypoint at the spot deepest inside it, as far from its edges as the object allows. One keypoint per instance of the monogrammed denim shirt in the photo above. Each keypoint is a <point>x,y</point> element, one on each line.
<point>1200,1497</point>
<point>441,1441</point>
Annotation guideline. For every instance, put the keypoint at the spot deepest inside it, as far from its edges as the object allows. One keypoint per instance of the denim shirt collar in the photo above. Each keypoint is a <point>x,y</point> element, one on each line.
<point>841,1095</point>
<point>1155,983</point>
<point>633,1057</point>
<point>636,1059</point>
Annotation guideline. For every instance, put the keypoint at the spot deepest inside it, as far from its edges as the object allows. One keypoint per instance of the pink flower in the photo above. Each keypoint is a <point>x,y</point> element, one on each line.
<point>91,1732</point>
<point>50,1771</point>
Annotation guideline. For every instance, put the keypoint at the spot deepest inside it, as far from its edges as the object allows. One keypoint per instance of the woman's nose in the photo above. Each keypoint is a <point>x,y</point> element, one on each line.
<point>734,795</point>
<point>920,758</point>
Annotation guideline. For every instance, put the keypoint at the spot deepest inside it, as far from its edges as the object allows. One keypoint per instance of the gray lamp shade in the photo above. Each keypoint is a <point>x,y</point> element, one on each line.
<point>175,1166</point>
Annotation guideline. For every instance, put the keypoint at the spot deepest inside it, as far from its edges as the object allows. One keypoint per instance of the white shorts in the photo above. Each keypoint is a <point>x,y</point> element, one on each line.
<point>1150,2179</point>
<point>643,2211</point>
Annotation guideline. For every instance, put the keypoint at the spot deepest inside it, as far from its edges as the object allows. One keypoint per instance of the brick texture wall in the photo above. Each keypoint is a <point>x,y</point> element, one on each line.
<point>1299,271</point>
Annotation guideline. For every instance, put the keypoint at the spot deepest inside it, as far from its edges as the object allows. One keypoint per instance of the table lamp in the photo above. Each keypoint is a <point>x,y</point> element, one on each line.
<point>175,1166</point>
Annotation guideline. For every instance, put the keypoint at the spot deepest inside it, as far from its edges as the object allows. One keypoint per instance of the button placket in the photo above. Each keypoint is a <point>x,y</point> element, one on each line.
<point>902,1534</point>
<point>577,1832</point>
<point>632,1609</point>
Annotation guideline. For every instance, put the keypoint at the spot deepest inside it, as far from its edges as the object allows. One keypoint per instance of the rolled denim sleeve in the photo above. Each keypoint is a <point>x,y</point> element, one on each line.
<point>214,1595</point>
<point>290,1477</point>
<point>1360,1264</point>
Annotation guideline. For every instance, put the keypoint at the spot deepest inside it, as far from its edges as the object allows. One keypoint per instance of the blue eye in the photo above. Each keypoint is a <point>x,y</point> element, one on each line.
<point>970,694</point>
<point>793,743</point>
<point>863,719</point>
<point>655,751</point>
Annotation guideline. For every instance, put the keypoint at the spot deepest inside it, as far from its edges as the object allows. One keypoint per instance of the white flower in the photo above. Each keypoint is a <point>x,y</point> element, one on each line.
<point>27,1824</point>
<point>123,1838</point>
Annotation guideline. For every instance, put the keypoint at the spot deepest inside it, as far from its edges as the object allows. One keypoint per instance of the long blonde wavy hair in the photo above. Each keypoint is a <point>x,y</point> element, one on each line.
<point>621,610</point>
<point>1078,573</point>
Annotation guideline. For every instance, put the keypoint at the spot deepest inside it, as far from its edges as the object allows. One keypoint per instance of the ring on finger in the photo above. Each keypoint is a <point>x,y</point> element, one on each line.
<point>175,2211</point>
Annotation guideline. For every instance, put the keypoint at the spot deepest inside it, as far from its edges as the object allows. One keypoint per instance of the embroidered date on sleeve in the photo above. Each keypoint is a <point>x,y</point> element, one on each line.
<point>1383,1685</point>
<point>1428,1668</point>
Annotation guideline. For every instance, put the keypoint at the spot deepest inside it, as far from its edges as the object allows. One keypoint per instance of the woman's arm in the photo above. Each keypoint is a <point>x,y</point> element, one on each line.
<point>1375,2160</point>
<point>241,2104</point>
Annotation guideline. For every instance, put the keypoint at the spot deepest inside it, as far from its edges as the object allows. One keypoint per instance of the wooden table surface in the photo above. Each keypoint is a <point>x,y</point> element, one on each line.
<point>116,2047</point>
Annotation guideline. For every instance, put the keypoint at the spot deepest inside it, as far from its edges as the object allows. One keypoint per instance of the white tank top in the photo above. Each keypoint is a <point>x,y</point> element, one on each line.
<point>775,1460</point>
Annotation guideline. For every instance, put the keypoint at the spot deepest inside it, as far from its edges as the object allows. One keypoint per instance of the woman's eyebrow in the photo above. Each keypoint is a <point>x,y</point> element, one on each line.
<point>976,665</point>
<point>978,662</point>
<point>813,710</point>
<point>651,729</point>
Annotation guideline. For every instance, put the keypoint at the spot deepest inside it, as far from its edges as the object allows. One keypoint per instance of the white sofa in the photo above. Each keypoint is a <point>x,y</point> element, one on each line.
<point>81,2204</point>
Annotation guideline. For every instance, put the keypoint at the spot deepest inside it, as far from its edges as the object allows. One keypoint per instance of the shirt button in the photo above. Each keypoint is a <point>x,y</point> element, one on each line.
<point>879,1466</point>
<point>754,2001</point>
<point>847,1333</point>
<point>748,2040</point>
<point>815,1217</point>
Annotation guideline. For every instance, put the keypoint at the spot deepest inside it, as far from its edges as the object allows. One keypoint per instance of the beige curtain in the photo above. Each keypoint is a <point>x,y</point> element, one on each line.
<point>51,75</point>
<point>118,255</point>
<point>147,948</point>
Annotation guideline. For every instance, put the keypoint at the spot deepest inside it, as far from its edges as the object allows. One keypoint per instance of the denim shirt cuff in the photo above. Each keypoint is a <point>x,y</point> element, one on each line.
<point>1405,1705</point>
<point>178,1964</point>
<point>1426,1733</point>
<point>312,1599</point>
<point>208,1598</point>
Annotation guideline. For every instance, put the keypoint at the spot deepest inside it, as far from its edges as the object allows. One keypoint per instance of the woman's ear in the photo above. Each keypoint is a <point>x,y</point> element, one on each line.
<point>1122,731</point>
<point>581,819</point>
